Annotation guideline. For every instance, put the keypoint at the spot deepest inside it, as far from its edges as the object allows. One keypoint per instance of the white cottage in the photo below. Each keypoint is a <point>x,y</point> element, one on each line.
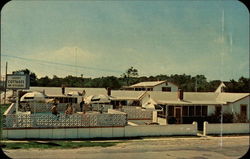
<point>189,106</point>
<point>126,98</point>
<point>154,86</point>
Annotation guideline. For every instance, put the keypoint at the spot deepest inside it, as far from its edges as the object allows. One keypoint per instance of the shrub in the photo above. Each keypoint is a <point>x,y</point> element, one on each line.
<point>216,118</point>
<point>240,118</point>
<point>228,117</point>
<point>213,118</point>
<point>171,120</point>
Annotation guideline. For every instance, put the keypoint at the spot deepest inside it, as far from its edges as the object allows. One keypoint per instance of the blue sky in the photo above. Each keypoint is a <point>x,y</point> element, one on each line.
<point>101,38</point>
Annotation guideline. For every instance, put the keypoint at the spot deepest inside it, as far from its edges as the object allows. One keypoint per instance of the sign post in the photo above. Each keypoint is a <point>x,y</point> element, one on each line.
<point>17,82</point>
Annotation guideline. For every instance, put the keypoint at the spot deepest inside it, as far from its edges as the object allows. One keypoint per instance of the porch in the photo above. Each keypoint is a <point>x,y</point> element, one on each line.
<point>184,114</point>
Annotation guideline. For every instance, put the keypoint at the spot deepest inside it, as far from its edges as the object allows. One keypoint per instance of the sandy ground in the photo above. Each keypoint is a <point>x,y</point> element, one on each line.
<point>148,148</point>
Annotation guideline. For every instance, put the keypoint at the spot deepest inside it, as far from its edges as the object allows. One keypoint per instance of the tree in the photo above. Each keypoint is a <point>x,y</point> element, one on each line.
<point>201,83</point>
<point>56,81</point>
<point>131,72</point>
<point>44,81</point>
<point>243,85</point>
<point>112,82</point>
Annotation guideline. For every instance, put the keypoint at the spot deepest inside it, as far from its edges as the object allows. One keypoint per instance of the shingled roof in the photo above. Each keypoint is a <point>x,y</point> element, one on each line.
<point>191,98</point>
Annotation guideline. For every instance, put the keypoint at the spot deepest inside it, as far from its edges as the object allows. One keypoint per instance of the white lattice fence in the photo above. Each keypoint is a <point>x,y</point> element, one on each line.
<point>75,120</point>
<point>45,107</point>
<point>97,107</point>
<point>137,113</point>
<point>131,107</point>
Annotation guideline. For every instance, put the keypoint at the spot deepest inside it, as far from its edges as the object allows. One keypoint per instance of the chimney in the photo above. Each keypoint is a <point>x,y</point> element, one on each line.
<point>180,94</point>
<point>63,89</point>
<point>109,91</point>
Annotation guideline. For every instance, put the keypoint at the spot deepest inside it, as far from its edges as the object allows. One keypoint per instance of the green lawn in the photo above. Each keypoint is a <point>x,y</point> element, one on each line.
<point>4,107</point>
<point>54,144</point>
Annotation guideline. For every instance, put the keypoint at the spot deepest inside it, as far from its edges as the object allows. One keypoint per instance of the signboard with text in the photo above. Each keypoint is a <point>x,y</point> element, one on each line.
<point>17,81</point>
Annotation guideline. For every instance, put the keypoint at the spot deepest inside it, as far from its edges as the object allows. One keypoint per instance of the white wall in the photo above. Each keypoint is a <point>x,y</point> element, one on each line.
<point>226,128</point>
<point>154,116</point>
<point>210,109</point>
<point>218,90</point>
<point>235,107</point>
<point>161,130</point>
<point>232,107</point>
<point>102,132</point>
<point>174,88</point>
<point>145,99</point>
<point>159,87</point>
<point>162,121</point>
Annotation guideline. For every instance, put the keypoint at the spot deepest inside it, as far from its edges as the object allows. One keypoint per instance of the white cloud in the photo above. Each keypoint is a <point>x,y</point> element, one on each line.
<point>67,55</point>
<point>44,62</point>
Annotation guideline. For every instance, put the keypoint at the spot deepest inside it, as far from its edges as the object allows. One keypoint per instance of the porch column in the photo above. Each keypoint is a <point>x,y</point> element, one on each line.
<point>166,114</point>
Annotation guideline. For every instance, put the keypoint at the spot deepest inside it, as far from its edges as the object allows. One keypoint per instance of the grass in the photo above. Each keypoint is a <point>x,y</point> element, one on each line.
<point>3,108</point>
<point>54,144</point>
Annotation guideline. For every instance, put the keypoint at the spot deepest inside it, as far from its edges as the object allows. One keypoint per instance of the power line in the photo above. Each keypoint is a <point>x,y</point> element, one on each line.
<point>49,69</point>
<point>62,64</point>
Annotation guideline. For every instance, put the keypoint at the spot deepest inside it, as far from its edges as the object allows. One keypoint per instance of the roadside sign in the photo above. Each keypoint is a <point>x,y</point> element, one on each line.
<point>17,81</point>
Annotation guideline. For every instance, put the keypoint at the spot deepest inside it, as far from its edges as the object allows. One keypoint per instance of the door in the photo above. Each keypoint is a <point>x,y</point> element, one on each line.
<point>243,110</point>
<point>178,115</point>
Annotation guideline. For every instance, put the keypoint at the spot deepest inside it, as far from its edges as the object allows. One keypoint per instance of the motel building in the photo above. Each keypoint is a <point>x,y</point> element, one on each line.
<point>126,98</point>
<point>185,107</point>
<point>163,86</point>
<point>117,113</point>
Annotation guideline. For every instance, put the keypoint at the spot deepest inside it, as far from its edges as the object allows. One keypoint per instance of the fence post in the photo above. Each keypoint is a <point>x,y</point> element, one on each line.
<point>196,126</point>
<point>205,123</point>
<point>155,119</point>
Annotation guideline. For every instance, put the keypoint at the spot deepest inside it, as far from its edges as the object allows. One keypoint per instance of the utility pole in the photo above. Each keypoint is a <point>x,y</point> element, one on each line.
<point>5,83</point>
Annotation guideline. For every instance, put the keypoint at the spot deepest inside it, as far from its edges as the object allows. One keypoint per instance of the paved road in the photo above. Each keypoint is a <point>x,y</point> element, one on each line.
<point>148,148</point>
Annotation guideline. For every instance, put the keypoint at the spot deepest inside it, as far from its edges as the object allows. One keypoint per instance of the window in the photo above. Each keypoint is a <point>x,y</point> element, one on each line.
<point>149,89</point>
<point>170,111</point>
<point>28,97</point>
<point>198,111</point>
<point>191,111</point>
<point>65,100</point>
<point>243,110</point>
<point>185,110</point>
<point>73,100</point>
<point>166,89</point>
<point>123,102</point>
<point>204,110</point>
<point>59,100</point>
